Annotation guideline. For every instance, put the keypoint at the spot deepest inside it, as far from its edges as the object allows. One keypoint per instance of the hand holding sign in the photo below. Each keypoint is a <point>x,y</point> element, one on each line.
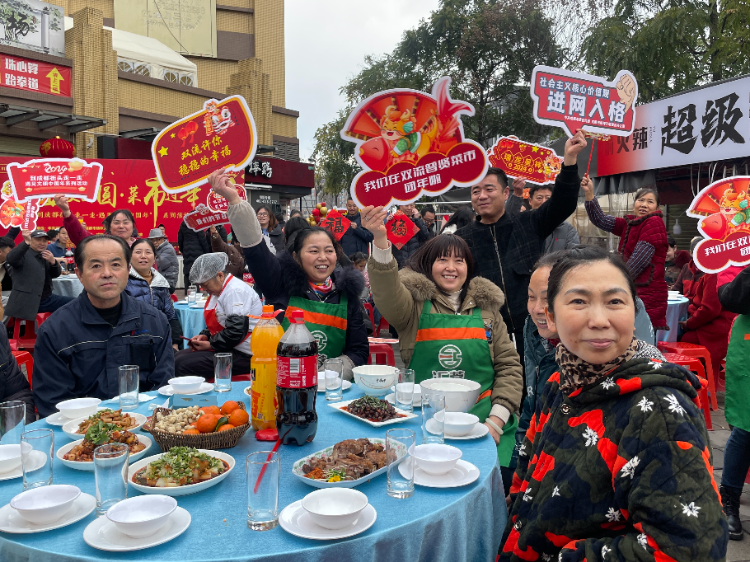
<point>588,188</point>
<point>62,203</point>
<point>373,219</point>
<point>221,184</point>
<point>627,90</point>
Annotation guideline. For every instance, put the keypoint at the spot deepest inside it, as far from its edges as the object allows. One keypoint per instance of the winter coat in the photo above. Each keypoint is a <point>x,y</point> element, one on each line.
<point>32,281</point>
<point>157,295</point>
<point>505,252</point>
<point>673,268</point>
<point>620,469</point>
<point>356,239</point>
<point>563,237</point>
<point>166,261</point>
<point>276,236</point>
<point>407,250</point>
<point>192,246</point>
<point>400,297</point>
<point>13,385</point>
<point>236,265</point>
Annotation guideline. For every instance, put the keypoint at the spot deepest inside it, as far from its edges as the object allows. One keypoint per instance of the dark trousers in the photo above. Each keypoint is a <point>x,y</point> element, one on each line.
<point>736,459</point>
<point>201,363</point>
<point>53,302</point>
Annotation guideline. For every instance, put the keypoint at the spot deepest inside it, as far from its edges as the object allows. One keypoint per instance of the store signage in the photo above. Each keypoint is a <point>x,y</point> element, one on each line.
<point>46,177</point>
<point>336,223</point>
<point>519,159</point>
<point>260,169</point>
<point>411,144</point>
<point>35,76</point>
<point>573,100</point>
<point>222,135</point>
<point>204,218</point>
<point>34,25</point>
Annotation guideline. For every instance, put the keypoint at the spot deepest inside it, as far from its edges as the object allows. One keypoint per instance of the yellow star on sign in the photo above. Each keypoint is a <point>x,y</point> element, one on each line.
<point>172,135</point>
<point>535,149</point>
<point>163,150</point>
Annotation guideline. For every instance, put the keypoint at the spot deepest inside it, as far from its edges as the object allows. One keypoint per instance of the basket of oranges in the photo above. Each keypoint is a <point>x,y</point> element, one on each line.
<point>209,427</point>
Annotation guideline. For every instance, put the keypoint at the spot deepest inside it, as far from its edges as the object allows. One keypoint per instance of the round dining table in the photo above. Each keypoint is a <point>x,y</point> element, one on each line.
<point>451,524</point>
<point>677,311</point>
<point>191,319</point>
<point>67,285</point>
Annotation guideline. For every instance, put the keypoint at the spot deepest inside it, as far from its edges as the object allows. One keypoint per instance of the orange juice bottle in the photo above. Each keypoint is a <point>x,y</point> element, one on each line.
<point>263,344</point>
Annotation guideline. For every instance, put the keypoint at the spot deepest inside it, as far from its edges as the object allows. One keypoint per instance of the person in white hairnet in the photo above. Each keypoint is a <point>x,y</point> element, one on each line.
<point>228,326</point>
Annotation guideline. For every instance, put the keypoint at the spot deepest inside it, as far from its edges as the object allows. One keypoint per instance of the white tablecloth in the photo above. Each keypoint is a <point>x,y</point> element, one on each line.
<point>67,285</point>
<point>677,310</point>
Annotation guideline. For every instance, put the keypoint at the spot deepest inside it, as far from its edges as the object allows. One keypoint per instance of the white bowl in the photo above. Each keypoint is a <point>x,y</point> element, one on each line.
<point>45,504</point>
<point>334,508</point>
<point>322,376</point>
<point>10,456</point>
<point>142,516</point>
<point>436,459</point>
<point>458,424</point>
<point>460,394</point>
<point>186,385</point>
<point>78,407</point>
<point>375,380</point>
<point>70,428</point>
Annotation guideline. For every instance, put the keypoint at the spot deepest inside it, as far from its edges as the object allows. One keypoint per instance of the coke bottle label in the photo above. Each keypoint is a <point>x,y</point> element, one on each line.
<point>297,372</point>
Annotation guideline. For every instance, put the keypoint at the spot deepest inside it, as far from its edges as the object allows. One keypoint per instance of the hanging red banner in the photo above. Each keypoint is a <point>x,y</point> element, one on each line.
<point>204,218</point>
<point>222,135</point>
<point>336,223</point>
<point>519,159</point>
<point>400,229</point>
<point>46,177</point>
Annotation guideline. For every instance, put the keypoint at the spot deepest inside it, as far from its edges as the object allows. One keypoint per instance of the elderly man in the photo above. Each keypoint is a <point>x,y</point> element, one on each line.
<point>166,257</point>
<point>228,326</point>
<point>79,353</point>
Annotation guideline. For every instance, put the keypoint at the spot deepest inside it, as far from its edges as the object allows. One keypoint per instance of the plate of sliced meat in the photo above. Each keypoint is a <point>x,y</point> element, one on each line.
<point>346,464</point>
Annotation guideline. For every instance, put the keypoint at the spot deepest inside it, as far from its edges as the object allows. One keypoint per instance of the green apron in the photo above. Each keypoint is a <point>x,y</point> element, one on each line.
<point>738,374</point>
<point>450,341</point>
<point>326,321</point>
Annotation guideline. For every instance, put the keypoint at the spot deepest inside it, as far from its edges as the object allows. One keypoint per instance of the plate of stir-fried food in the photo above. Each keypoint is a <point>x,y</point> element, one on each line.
<point>131,422</point>
<point>80,454</point>
<point>180,471</point>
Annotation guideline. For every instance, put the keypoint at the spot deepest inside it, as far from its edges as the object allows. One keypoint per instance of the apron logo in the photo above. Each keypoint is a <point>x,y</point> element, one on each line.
<point>321,338</point>
<point>449,356</point>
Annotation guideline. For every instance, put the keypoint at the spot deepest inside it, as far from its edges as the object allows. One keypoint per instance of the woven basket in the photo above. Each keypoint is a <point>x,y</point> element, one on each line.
<point>219,440</point>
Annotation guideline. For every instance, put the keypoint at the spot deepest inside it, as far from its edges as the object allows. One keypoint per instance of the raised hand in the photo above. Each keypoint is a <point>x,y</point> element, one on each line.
<point>26,236</point>
<point>62,203</point>
<point>47,255</point>
<point>373,219</point>
<point>626,90</point>
<point>518,185</point>
<point>573,147</point>
<point>221,184</point>
<point>588,187</point>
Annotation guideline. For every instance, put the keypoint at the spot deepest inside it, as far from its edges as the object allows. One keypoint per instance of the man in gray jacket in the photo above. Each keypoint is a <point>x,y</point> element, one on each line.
<point>565,236</point>
<point>166,258</point>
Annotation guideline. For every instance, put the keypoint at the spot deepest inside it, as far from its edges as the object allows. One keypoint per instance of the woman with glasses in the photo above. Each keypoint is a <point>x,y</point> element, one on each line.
<point>271,229</point>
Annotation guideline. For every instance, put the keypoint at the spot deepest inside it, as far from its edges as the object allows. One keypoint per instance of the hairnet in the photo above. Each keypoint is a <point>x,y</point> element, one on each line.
<point>208,266</point>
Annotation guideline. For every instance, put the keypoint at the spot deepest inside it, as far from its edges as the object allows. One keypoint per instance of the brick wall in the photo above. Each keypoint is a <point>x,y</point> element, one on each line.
<point>269,45</point>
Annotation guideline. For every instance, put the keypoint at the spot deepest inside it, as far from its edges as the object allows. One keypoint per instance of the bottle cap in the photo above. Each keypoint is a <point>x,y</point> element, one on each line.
<point>267,311</point>
<point>298,317</point>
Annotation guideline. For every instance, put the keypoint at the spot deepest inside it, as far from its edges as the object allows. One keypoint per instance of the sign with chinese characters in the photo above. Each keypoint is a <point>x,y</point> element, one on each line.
<point>705,125</point>
<point>33,25</point>
<point>519,159</point>
<point>573,100</point>
<point>336,223</point>
<point>260,169</point>
<point>400,229</point>
<point>35,76</point>
<point>217,203</point>
<point>204,218</point>
<point>411,144</point>
<point>222,135</point>
<point>13,213</point>
<point>723,213</point>
<point>46,177</point>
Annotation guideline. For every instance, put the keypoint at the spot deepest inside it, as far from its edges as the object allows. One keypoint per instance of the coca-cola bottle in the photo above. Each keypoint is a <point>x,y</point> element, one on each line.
<point>69,260</point>
<point>297,382</point>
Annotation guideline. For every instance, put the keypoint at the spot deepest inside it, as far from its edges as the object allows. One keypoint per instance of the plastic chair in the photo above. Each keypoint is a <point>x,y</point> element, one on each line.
<point>695,350</point>
<point>173,297</point>
<point>28,340</point>
<point>381,350</point>
<point>721,380</point>
<point>695,365</point>
<point>24,358</point>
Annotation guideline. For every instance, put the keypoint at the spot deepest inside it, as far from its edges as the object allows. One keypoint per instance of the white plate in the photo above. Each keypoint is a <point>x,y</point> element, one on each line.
<point>339,405</point>
<point>298,522</point>
<point>103,534</point>
<point>89,466</point>
<point>70,428</point>
<point>248,389</point>
<point>39,459</point>
<point>345,385</point>
<point>180,490</point>
<point>297,468</point>
<point>198,305</point>
<point>462,474</point>
<point>416,401</point>
<point>59,420</point>
<point>479,431</point>
<point>12,522</point>
<point>183,301</point>
<point>169,391</point>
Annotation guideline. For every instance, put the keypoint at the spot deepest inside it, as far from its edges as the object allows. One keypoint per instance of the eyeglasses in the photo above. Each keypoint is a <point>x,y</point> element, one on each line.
<point>262,215</point>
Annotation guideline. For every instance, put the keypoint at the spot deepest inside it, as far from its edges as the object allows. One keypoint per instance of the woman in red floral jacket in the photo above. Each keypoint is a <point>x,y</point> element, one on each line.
<point>643,246</point>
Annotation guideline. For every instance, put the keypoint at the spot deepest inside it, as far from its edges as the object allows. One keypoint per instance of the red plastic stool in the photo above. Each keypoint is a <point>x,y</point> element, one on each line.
<point>695,365</point>
<point>24,358</point>
<point>28,340</point>
<point>381,350</point>
<point>694,350</point>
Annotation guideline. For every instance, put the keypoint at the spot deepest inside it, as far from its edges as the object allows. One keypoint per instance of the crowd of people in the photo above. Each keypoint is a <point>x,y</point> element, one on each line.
<point>602,446</point>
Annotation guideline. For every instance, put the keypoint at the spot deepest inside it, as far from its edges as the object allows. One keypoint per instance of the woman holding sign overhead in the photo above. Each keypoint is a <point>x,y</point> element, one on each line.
<point>308,276</point>
<point>120,223</point>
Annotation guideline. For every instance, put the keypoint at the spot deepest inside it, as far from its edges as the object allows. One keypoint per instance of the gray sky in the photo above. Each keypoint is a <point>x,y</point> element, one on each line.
<point>325,47</point>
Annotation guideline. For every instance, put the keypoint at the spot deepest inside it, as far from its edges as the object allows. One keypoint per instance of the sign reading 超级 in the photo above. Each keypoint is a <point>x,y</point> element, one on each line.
<point>573,100</point>
<point>411,144</point>
<point>46,177</point>
<point>703,125</point>
<point>35,76</point>
<point>222,135</point>
<point>519,159</point>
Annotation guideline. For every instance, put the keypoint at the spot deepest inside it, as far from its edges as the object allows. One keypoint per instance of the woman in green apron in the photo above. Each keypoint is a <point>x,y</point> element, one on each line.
<point>306,277</point>
<point>448,319</point>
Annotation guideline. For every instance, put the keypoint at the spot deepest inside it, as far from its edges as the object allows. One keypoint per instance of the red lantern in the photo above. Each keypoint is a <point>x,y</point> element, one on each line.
<point>57,148</point>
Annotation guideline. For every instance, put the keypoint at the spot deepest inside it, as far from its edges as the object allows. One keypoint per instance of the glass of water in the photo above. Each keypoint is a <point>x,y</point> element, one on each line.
<point>263,470</point>
<point>399,448</point>
<point>334,373</point>
<point>433,417</point>
<point>37,453</point>
<point>222,372</point>
<point>12,422</point>
<point>110,475</point>
<point>192,289</point>
<point>405,390</point>
<point>129,376</point>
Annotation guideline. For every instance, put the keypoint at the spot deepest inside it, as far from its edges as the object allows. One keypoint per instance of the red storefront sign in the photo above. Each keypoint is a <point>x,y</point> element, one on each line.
<point>35,76</point>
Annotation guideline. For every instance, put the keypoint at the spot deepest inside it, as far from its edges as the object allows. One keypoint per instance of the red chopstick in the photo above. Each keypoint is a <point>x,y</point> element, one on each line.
<point>263,469</point>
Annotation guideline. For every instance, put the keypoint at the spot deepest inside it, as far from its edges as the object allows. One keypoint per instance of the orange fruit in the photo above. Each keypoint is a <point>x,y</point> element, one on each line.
<point>226,427</point>
<point>207,423</point>
<point>229,407</point>
<point>191,431</point>
<point>211,410</point>
<point>238,417</point>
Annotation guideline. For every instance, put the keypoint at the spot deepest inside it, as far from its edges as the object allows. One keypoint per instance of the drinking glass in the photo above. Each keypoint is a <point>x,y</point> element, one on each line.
<point>37,453</point>
<point>129,376</point>
<point>433,417</point>
<point>192,289</point>
<point>263,469</point>
<point>405,390</point>
<point>333,383</point>
<point>222,372</point>
<point>12,421</point>
<point>399,448</point>
<point>110,475</point>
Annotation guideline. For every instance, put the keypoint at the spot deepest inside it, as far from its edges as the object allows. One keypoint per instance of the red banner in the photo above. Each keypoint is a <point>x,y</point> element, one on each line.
<point>35,76</point>
<point>39,179</point>
<point>573,100</point>
<point>204,218</point>
<point>222,135</point>
<point>519,159</point>
<point>217,203</point>
<point>336,223</point>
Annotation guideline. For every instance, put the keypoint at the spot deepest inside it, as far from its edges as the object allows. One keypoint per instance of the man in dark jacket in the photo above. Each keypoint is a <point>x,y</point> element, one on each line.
<point>13,385</point>
<point>428,216</point>
<point>166,258</point>
<point>33,267</point>
<point>406,251</point>
<point>192,246</point>
<point>356,239</point>
<point>6,245</point>
<point>505,247</point>
<point>78,352</point>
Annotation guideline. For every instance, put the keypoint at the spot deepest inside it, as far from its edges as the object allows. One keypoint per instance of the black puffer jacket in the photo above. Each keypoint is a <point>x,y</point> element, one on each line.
<point>13,385</point>
<point>192,245</point>
<point>403,255</point>
<point>277,238</point>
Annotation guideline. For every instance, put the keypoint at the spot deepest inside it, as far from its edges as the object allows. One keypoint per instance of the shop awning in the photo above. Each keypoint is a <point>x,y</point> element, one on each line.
<point>45,119</point>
